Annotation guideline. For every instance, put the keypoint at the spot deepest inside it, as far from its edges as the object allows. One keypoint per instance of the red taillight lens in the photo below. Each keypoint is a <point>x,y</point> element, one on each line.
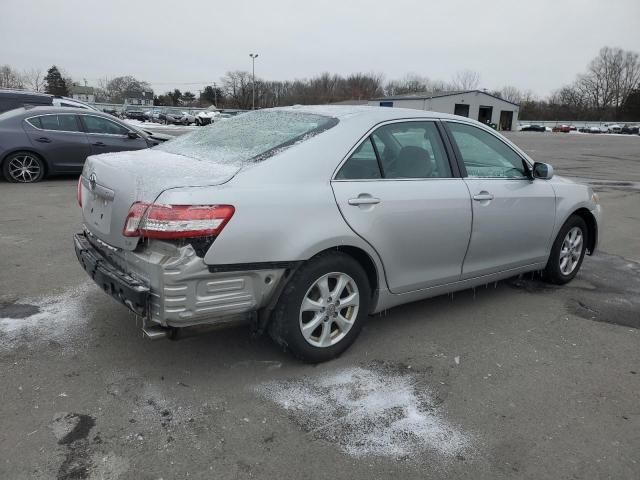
<point>79,191</point>
<point>176,221</point>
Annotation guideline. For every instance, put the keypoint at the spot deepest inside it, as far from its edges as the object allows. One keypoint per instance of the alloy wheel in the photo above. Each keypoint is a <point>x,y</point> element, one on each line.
<point>25,168</point>
<point>329,309</point>
<point>571,250</point>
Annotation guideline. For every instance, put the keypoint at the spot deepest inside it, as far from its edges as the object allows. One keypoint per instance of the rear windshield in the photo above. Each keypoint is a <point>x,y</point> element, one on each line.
<point>250,137</point>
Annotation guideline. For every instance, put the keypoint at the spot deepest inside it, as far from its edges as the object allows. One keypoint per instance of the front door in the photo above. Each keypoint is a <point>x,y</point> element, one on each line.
<point>513,215</point>
<point>108,136</point>
<point>397,192</point>
<point>60,140</point>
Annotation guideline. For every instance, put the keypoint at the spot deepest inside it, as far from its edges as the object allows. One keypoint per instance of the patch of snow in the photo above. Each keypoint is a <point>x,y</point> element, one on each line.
<point>59,318</point>
<point>370,412</point>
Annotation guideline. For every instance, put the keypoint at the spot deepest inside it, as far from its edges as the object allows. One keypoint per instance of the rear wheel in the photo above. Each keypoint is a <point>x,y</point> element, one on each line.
<point>567,252</point>
<point>321,311</point>
<point>23,167</point>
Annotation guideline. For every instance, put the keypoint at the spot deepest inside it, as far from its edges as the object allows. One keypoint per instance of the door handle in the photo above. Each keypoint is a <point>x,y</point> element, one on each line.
<point>483,196</point>
<point>43,140</point>
<point>99,144</point>
<point>364,200</point>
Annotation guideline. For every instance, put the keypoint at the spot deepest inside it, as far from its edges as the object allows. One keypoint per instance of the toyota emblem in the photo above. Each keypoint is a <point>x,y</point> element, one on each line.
<point>92,181</point>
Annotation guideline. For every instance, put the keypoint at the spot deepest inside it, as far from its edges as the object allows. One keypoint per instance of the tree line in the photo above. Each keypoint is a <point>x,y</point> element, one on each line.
<point>609,89</point>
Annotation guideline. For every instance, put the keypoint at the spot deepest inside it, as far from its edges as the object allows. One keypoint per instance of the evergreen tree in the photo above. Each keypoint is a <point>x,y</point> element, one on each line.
<point>55,84</point>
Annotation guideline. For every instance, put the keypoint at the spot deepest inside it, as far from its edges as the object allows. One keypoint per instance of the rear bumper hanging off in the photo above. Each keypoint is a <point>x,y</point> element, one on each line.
<point>121,286</point>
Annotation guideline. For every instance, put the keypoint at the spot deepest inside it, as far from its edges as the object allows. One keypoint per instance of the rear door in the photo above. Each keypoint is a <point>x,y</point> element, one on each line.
<point>513,215</point>
<point>397,191</point>
<point>108,136</point>
<point>60,139</point>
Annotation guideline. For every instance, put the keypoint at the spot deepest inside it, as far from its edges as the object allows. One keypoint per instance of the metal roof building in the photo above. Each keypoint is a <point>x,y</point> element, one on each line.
<point>476,104</point>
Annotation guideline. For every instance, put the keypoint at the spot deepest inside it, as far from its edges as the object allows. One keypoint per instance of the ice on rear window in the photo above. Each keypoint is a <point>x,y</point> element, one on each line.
<point>250,137</point>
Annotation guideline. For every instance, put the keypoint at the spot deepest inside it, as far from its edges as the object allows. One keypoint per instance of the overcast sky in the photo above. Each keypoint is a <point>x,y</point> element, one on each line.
<point>538,45</point>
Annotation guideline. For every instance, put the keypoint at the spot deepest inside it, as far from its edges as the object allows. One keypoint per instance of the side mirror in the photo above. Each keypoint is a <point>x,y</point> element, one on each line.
<point>132,135</point>
<point>542,170</point>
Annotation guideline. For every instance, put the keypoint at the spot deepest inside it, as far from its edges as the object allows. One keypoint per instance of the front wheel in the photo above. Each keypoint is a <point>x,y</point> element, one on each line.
<point>321,311</point>
<point>567,252</point>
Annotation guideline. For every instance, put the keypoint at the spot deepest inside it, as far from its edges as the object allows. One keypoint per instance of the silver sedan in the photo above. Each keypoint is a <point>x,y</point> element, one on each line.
<point>305,220</point>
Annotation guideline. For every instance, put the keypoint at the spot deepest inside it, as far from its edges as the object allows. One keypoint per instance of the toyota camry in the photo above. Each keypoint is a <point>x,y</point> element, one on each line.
<point>305,220</point>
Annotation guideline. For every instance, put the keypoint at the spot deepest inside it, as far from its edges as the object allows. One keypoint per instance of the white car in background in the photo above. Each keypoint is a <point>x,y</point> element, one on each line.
<point>207,116</point>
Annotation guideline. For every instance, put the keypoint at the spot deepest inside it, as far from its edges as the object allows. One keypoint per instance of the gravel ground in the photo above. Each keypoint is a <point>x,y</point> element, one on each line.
<point>515,380</point>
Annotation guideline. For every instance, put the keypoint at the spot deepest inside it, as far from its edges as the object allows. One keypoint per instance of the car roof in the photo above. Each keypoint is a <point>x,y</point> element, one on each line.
<point>42,110</point>
<point>55,109</point>
<point>345,111</point>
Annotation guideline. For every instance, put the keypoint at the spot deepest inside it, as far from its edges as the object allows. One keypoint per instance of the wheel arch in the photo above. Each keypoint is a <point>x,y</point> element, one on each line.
<point>264,317</point>
<point>592,227</point>
<point>363,259</point>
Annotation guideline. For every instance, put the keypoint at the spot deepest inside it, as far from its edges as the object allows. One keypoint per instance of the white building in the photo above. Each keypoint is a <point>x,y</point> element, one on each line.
<point>84,94</point>
<point>476,104</point>
<point>138,98</point>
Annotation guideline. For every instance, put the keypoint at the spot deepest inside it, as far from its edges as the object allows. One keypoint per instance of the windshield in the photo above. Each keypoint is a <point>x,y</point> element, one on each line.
<point>251,137</point>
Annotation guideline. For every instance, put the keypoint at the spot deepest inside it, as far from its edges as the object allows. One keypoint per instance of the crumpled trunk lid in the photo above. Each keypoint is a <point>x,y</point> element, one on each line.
<point>112,182</point>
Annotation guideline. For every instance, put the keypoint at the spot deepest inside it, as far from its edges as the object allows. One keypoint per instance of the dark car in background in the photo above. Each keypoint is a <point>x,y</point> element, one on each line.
<point>134,113</point>
<point>39,141</point>
<point>10,99</point>
<point>175,116</point>
<point>630,130</point>
<point>533,128</point>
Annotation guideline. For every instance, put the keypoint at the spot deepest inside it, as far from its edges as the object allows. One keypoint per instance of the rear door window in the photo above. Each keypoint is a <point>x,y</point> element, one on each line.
<point>362,164</point>
<point>403,150</point>
<point>63,123</point>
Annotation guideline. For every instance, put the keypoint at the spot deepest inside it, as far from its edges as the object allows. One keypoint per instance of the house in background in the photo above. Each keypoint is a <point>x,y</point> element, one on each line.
<point>138,98</point>
<point>83,93</point>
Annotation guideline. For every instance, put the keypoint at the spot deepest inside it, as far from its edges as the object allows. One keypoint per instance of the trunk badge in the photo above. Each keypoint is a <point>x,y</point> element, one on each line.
<point>92,181</point>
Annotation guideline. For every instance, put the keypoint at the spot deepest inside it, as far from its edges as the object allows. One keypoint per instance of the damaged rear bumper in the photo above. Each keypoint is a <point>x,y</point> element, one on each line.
<point>131,292</point>
<point>171,285</point>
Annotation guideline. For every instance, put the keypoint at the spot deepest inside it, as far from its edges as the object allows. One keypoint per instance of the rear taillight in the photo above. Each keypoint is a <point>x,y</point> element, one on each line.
<point>79,191</point>
<point>176,221</point>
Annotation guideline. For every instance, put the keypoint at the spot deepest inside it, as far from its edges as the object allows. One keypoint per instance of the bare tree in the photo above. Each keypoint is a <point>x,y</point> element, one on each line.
<point>511,94</point>
<point>410,83</point>
<point>237,86</point>
<point>10,78</point>
<point>466,80</point>
<point>610,79</point>
<point>34,79</point>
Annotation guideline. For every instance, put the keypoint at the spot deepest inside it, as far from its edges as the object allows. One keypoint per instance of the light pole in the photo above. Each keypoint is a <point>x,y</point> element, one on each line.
<point>253,80</point>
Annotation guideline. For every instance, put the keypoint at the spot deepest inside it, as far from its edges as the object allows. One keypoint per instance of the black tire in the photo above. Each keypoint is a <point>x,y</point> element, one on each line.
<point>285,327</point>
<point>36,162</point>
<point>553,272</point>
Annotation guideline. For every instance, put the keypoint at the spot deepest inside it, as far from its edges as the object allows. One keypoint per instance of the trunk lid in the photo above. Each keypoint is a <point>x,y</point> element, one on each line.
<point>112,182</point>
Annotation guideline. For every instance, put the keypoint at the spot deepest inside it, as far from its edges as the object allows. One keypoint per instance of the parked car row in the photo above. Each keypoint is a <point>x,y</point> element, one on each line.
<point>173,115</point>
<point>563,128</point>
